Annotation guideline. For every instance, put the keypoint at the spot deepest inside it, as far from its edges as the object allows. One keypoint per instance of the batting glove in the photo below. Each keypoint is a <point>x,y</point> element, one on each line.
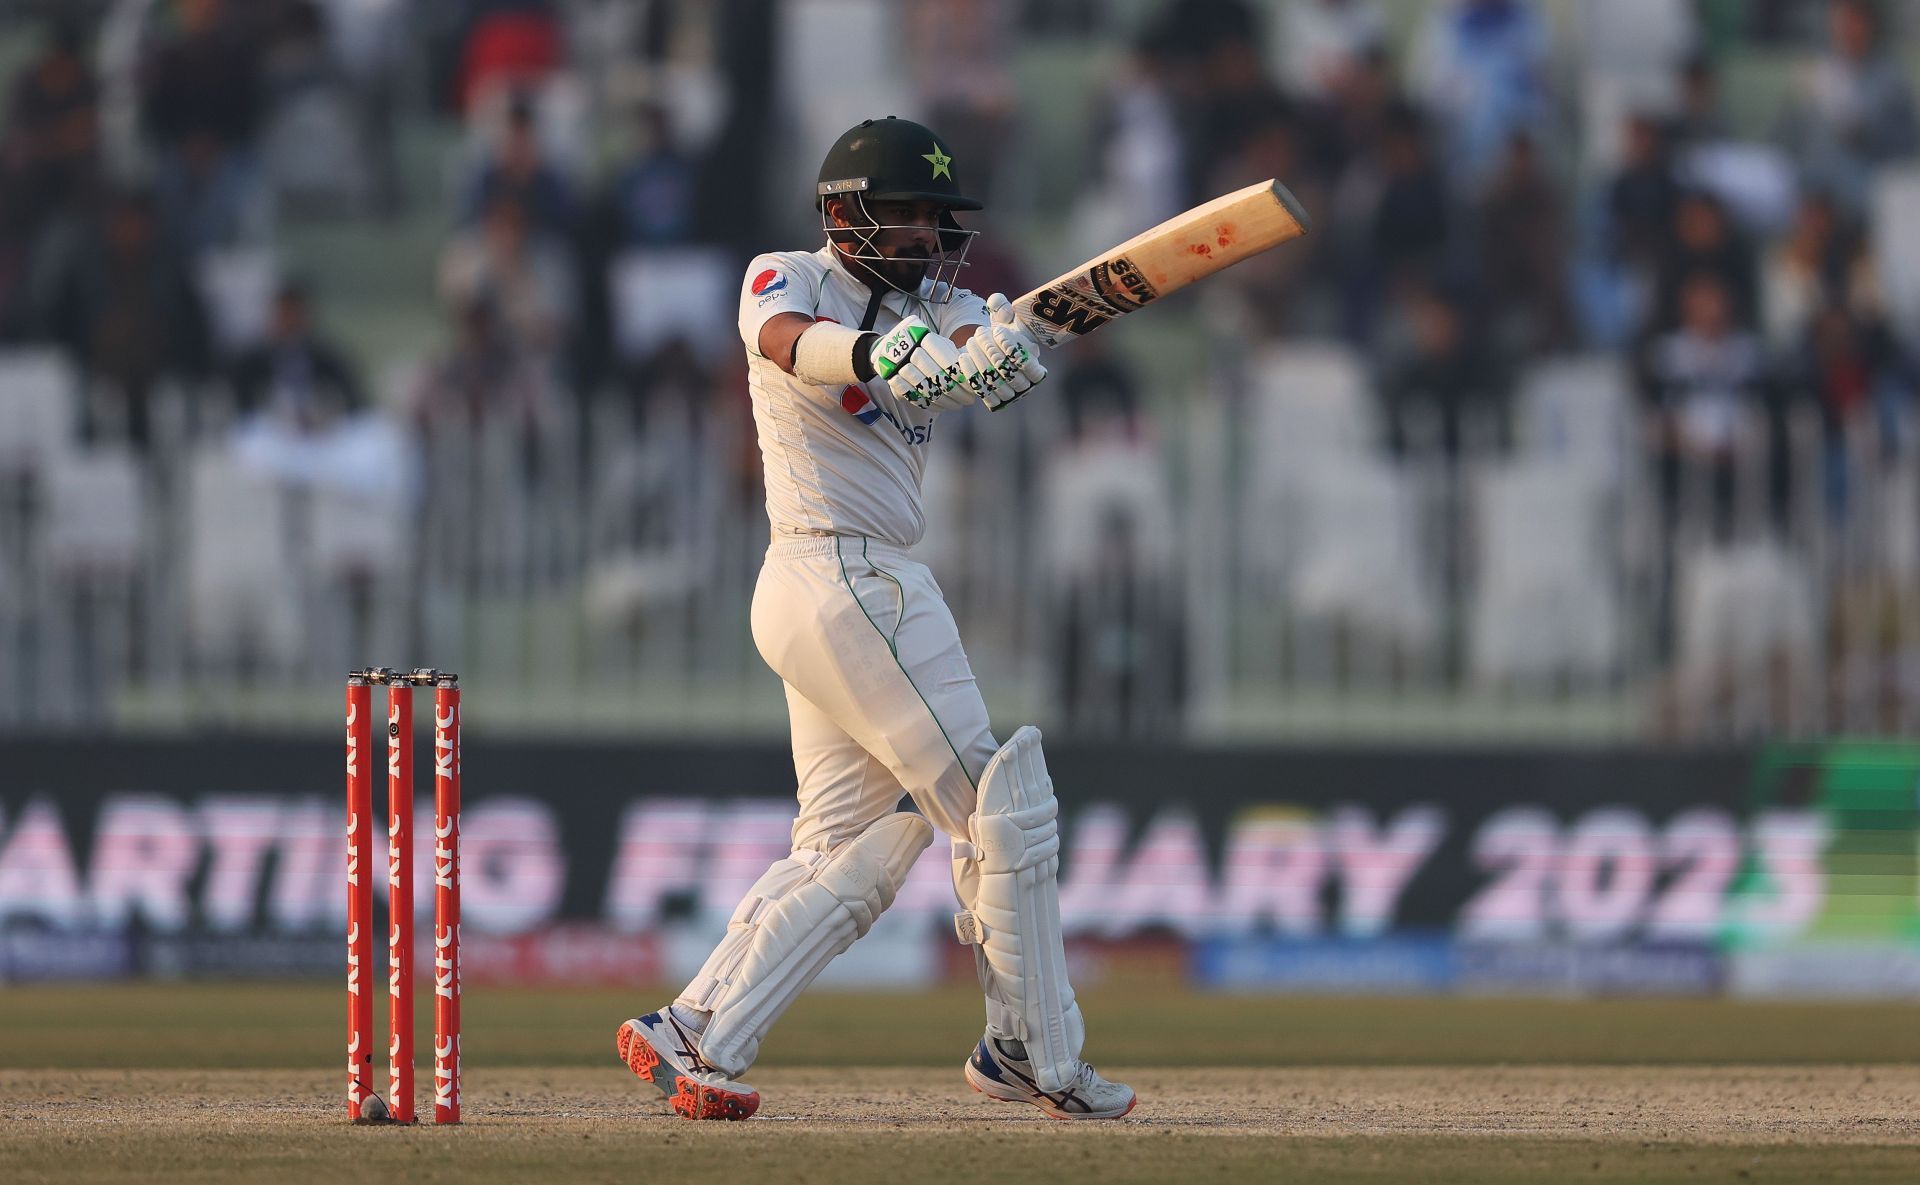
<point>1005,355</point>
<point>922,367</point>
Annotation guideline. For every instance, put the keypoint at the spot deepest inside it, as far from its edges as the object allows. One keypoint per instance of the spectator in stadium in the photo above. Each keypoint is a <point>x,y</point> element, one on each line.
<point>1323,43</point>
<point>1642,195</point>
<point>1851,372</point>
<point>310,140</point>
<point>126,308</point>
<point>1704,239</point>
<point>49,168</point>
<point>1351,122</point>
<point>654,198</point>
<point>211,198</point>
<point>1180,42</point>
<point>1523,252</point>
<point>1240,102</point>
<point>514,44</point>
<point>519,170</point>
<point>1821,260</point>
<point>1194,27</point>
<point>201,99</point>
<point>377,56</point>
<point>204,79</point>
<point>1399,197</point>
<point>1481,67</point>
<point>1701,118</point>
<point>1853,109</point>
<point>1139,148</point>
<point>957,55</point>
<point>1282,293</point>
<point>296,55</point>
<point>1706,390</point>
<point>50,148</point>
<point>297,377</point>
<point>1447,389</point>
<point>528,276</point>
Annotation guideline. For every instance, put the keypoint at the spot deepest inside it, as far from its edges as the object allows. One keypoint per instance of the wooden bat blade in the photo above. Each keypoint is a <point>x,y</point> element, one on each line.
<point>1184,248</point>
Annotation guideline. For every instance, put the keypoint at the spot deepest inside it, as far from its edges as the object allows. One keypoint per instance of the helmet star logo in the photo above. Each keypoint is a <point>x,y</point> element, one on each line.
<point>940,161</point>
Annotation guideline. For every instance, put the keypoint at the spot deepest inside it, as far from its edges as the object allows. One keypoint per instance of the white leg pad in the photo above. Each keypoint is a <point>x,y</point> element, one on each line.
<point>788,939</point>
<point>1008,878</point>
<point>723,965</point>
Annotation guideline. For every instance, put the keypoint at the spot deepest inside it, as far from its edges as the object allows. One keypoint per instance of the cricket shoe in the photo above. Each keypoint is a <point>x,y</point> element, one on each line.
<point>1000,1070</point>
<point>661,1050</point>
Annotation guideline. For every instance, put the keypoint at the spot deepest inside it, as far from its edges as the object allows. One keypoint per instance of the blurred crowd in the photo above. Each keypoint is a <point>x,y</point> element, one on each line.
<point>1483,203</point>
<point>1495,184</point>
<point>146,151</point>
<point>1490,200</point>
<point>153,148</point>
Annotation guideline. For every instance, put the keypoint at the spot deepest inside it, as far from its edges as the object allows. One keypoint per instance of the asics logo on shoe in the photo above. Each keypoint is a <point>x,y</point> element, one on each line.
<point>684,1045</point>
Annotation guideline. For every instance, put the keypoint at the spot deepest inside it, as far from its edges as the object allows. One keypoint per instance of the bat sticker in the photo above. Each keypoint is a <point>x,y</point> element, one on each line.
<point>1066,308</point>
<point>1120,284</point>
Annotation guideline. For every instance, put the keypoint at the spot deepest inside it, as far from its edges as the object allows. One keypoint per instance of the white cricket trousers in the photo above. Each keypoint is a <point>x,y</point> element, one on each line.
<point>879,692</point>
<point>881,700</point>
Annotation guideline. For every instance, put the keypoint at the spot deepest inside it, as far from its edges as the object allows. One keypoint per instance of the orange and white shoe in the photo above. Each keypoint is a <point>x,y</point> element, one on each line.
<point>1000,1070</point>
<point>661,1050</point>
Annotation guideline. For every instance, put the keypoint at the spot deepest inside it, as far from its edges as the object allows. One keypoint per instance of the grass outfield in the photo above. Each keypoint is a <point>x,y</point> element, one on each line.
<point>236,1026</point>
<point>224,1082</point>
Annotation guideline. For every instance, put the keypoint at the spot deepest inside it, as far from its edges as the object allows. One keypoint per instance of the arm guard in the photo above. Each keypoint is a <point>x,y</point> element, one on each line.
<point>830,355</point>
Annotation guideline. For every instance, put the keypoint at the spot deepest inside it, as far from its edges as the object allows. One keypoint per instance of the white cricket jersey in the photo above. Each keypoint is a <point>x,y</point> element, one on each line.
<point>839,460</point>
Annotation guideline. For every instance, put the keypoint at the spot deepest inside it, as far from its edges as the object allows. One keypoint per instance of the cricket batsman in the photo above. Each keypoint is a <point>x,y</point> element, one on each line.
<point>853,353</point>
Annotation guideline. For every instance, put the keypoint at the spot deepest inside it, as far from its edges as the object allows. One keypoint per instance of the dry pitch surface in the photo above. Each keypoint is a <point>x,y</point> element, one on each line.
<point>204,1084</point>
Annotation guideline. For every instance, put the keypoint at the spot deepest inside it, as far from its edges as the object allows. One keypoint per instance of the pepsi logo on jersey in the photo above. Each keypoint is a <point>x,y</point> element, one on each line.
<point>768,281</point>
<point>858,405</point>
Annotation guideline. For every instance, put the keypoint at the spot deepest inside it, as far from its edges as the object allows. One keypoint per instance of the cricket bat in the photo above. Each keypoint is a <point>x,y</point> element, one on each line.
<point>1184,248</point>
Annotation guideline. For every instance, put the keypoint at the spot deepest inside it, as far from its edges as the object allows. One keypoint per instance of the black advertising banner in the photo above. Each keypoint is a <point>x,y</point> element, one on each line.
<point>1301,867</point>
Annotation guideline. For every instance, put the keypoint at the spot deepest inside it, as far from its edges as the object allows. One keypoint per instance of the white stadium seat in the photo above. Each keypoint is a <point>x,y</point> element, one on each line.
<point>1307,398</point>
<point>1741,604</point>
<point>1578,410</point>
<point>1359,559</point>
<point>94,519</point>
<point>238,285</point>
<point>660,294</point>
<point>1309,403</point>
<point>38,398</point>
<point>1896,244</point>
<point>1084,489</point>
<point>1546,598</point>
<point>241,587</point>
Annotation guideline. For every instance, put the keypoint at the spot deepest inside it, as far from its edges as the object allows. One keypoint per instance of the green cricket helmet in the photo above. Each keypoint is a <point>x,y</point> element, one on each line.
<point>896,160</point>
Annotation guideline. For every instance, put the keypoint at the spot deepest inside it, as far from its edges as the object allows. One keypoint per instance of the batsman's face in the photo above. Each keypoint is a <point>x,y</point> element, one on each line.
<point>909,234</point>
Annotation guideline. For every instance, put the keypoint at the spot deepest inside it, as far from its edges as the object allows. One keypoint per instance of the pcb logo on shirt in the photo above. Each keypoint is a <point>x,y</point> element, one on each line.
<point>767,282</point>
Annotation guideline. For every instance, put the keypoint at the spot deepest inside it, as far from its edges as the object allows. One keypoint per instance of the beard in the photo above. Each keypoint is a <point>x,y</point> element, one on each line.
<point>904,271</point>
<point>901,272</point>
